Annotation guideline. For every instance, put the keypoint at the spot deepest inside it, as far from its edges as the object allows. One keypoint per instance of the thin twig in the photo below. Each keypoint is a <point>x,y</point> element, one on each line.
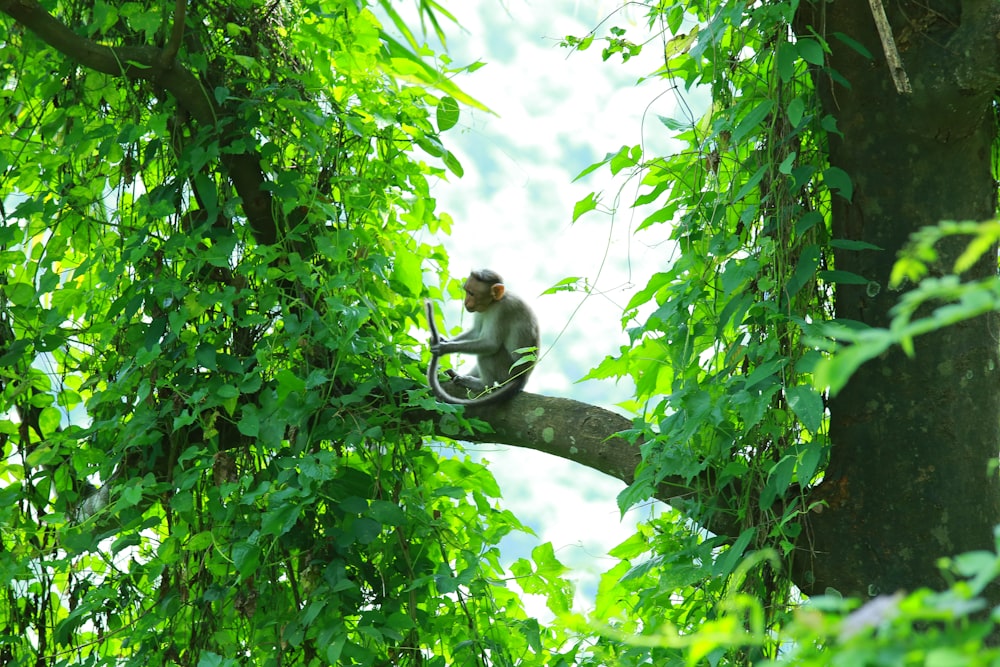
<point>889,48</point>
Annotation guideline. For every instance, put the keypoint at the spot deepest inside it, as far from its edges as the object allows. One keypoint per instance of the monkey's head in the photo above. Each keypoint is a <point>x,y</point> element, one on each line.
<point>482,289</point>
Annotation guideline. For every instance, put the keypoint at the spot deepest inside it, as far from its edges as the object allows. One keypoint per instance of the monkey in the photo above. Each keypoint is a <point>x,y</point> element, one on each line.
<point>504,338</point>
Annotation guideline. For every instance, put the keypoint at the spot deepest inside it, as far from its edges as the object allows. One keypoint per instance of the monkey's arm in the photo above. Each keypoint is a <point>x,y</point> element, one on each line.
<point>477,346</point>
<point>480,345</point>
<point>464,336</point>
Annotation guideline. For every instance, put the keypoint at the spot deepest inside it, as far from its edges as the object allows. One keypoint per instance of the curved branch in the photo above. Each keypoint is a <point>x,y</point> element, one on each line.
<point>145,63</point>
<point>588,435</point>
<point>176,34</point>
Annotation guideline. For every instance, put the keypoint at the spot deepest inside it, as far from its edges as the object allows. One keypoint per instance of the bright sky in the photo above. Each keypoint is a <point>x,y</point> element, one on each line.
<point>556,114</point>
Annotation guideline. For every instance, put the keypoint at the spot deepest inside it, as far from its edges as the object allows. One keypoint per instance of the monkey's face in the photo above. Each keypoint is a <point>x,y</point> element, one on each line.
<point>478,296</point>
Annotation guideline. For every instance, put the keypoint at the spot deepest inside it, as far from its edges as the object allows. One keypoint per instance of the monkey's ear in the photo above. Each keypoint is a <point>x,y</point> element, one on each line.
<point>498,291</point>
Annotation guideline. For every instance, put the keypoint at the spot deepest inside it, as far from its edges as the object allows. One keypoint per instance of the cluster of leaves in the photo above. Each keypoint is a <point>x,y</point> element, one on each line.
<point>727,353</point>
<point>716,347</point>
<point>614,43</point>
<point>212,250</point>
<point>718,339</point>
<point>211,260</point>
<point>949,627</point>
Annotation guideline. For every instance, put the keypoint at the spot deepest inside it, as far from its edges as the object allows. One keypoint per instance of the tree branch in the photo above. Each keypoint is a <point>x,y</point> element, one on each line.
<point>895,63</point>
<point>176,34</point>
<point>590,436</point>
<point>145,63</point>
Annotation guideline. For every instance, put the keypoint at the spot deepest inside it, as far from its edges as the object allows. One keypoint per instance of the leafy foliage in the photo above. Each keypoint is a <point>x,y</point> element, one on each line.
<point>920,628</point>
<point>213,246</point>
<point>212,257</point>
<point>726,351</point>
<point>718,348</point>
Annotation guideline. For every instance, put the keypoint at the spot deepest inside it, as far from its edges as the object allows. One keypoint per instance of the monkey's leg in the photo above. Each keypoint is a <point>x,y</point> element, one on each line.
<point>472,382</point>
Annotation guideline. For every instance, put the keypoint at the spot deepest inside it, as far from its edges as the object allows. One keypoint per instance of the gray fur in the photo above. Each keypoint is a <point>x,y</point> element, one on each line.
<point>508,324</point>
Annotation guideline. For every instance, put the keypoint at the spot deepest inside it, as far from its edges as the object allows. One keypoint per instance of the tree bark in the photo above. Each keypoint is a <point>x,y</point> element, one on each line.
<point>591,436</point>
<point>909,478</point>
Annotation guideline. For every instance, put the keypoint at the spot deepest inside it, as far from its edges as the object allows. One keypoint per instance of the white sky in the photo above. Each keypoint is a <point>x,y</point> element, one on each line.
<point>556,114</point>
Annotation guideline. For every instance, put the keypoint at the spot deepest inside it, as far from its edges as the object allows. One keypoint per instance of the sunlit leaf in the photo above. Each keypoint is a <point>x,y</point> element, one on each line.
<point>585,205</point>
<point>753,118</point>
<point>447,114</point>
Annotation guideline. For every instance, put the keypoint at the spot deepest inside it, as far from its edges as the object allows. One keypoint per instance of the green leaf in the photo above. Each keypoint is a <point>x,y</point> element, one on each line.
<point>547,565</point>
<point>779,477</point>
<point>42,455</point>
<point>210,659</point>
<point>335,649</point>
<point>79,539</point>
<point>834,372</point>
<point>786,165</point>
<point>15,351</point>
<point>807,404</point>
<point>585,205</point>
<point>205,356</point>
<point>226,391</point>
<point>124,541</point>
<point>568,284</point>
<point>447,113</point>
<point>454,166</point>
<point>787,57</point>
<point>626,158</point>
<point>843,277</point>
<point>752,120</point>
<point>752,183</point>
<point>366,530</point>
<point>809,460</point>
<point>594,167</point>
<point>200,541</point>
<point>249,422</point>
<point>854,44</point>
<point>246,558</point>
<point>409,66</point>
<point>810,50</point>
<point>638,491</point>
<point>726,564</point>
<point>387,513</point>
<point>850,244</point>
<point>279,520</point>
<point>837,180</point>
<point>132,494</point>
<point>796,109</point>
<point>21,294</point>
<point>986,236</point>
<point>407,274</point>
<point>288,383</point>
<point>49,421</point>
<point>765,371</point>
<point>807,222</point>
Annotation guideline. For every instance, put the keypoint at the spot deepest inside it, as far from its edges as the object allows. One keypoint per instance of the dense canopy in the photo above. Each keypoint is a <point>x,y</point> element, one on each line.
<point>217,230</point>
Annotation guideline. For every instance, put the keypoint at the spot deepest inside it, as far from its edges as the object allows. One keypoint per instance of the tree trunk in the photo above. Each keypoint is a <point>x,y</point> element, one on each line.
<point>910,479</point>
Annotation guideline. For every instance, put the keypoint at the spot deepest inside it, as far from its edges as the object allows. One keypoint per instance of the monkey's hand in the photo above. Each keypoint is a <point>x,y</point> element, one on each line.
<point>470,382</point>
<point>440,347</point>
